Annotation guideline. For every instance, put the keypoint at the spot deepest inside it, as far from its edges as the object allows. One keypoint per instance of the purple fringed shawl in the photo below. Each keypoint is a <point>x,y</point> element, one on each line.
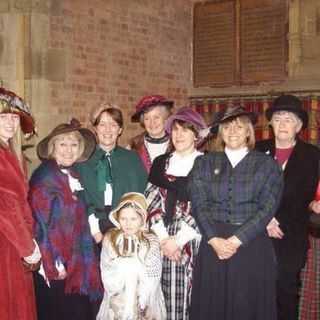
<point>62,231</point>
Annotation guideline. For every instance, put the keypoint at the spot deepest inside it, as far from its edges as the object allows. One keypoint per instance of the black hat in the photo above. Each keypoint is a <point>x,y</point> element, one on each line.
<point>230,113</point>
<point>288,103</point>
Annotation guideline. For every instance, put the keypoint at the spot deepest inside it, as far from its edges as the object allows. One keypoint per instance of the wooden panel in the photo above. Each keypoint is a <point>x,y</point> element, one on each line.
<point>214,44</point>
<point>263,42</point>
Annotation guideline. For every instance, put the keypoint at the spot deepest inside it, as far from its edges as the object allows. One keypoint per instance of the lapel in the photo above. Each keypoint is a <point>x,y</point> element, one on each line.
<point>97,157</point>
<point>13,174</point>
<point>293,162</point>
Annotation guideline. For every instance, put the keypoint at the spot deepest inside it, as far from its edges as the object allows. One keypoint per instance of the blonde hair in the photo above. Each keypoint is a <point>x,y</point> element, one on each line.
<point>219,144</point>
<point>14,143</point>
<point>115,232</point>
<point>75,134</point>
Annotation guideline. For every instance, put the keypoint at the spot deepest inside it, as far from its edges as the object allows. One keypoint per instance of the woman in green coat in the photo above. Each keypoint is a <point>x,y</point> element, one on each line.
<point>110,172</point>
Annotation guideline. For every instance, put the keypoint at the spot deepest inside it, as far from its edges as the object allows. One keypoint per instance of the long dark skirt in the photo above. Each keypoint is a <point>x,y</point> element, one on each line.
<point>54,304</point>
<point>240,288</point>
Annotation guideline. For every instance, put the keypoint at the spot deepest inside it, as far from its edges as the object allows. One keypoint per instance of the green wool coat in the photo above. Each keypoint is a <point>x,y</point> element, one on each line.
<point>128,175</point>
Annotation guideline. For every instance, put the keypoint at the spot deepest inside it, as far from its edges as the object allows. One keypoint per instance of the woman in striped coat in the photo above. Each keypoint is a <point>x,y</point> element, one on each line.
<point>170,211</point>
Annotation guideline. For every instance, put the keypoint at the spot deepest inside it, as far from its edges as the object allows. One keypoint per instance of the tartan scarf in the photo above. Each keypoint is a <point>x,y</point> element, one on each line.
<point>62,231</point>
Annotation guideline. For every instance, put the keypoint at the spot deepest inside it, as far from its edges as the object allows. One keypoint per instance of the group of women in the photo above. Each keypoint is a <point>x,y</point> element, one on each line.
<point>231,225</point>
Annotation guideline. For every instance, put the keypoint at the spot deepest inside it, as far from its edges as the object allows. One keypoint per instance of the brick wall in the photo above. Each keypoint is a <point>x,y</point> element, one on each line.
<point>116,51</point>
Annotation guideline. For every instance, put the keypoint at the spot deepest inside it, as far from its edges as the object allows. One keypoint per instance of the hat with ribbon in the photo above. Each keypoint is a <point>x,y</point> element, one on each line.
<point>148,102</point>
<point>73,125</point>
<point>288,103</point>
<point>12,103</point>
<point>136,199</point>
<point>229,113</point>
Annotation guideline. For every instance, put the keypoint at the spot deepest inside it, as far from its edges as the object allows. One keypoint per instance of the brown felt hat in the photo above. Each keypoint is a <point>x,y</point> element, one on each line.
<point>74,125</point>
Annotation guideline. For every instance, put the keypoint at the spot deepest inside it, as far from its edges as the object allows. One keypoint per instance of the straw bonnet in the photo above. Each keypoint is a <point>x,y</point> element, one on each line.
<point>135,198</point>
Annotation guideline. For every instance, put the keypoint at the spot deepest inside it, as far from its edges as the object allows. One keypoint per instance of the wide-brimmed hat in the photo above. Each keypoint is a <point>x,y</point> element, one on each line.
<point>187,114</point>
<point>150,101</point>
<point>135,198</point>
<point>288,103</point>
<point>230,113</point>
<point>74,125</point>
<point>12,103</point>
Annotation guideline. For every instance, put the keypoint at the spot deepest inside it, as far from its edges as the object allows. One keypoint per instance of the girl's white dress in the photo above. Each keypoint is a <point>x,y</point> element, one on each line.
<point>132,282</point>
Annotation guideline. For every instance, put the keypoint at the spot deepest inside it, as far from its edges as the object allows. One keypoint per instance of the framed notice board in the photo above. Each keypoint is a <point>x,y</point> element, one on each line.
<point>240,42</point>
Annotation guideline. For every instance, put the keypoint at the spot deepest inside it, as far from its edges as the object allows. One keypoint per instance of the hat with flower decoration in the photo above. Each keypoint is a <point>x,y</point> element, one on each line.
<point>12,103</point>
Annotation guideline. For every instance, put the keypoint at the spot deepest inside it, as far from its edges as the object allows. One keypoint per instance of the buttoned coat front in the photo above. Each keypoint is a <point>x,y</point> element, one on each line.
<point>246,195</point>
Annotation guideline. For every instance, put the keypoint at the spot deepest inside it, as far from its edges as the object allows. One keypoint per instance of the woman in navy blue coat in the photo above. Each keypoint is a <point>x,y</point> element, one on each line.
<point>235,192</point>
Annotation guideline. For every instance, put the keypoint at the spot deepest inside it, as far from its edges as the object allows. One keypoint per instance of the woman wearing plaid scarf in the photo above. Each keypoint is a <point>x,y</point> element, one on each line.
<point>69,276</point>
<point>235,191</point>
<point>170,210</point>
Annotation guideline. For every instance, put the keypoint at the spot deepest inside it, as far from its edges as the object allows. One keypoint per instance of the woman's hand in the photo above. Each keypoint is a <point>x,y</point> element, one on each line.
<point>315,206</point>
<point>62,275</point>
<point>273,229</point>
<point>171,249</point>
<point>235,242</point>
<point>224,248</point>
<point>98,237</point>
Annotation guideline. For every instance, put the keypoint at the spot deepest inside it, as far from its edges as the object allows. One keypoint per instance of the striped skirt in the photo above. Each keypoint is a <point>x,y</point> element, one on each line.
<point>310,278</point>
<point>176,279</point>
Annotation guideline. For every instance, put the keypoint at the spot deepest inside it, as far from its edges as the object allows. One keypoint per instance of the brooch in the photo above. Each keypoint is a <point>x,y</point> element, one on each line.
<point>216,171</point>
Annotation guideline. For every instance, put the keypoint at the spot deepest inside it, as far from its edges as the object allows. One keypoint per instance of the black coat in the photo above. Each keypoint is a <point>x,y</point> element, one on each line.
<point>300,183</point>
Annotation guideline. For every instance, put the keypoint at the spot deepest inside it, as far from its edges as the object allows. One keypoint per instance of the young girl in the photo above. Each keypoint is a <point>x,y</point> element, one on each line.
<point>131,265</point>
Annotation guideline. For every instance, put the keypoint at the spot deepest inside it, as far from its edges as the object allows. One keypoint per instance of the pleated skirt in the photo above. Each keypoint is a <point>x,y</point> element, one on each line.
<point>240,288</point>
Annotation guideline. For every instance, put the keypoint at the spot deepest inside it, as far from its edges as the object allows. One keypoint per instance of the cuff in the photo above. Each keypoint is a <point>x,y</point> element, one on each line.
<point>35,256</point>
<point>160,230</point>
<point>94,224</point>
<point>186,234</point>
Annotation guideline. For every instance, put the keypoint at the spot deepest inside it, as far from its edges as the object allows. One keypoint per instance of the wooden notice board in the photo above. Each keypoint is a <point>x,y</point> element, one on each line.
<point>240,42</point>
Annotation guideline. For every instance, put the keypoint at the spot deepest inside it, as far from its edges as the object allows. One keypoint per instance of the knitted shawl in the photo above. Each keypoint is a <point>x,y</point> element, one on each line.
<point>62,231</point>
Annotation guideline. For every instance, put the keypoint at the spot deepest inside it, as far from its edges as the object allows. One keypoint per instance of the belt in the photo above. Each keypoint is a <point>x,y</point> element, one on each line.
<point>229,222</point>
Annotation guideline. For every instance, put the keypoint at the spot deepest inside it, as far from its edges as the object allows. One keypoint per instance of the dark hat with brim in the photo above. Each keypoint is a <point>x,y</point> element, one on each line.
<point>230,113</point>
<point>288,103</point>
<point>74,125</point>
<point>12,103</point>
<point>148,102</point>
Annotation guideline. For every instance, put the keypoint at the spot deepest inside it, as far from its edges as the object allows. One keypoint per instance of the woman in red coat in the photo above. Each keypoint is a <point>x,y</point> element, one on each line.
<point>19,252</point>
